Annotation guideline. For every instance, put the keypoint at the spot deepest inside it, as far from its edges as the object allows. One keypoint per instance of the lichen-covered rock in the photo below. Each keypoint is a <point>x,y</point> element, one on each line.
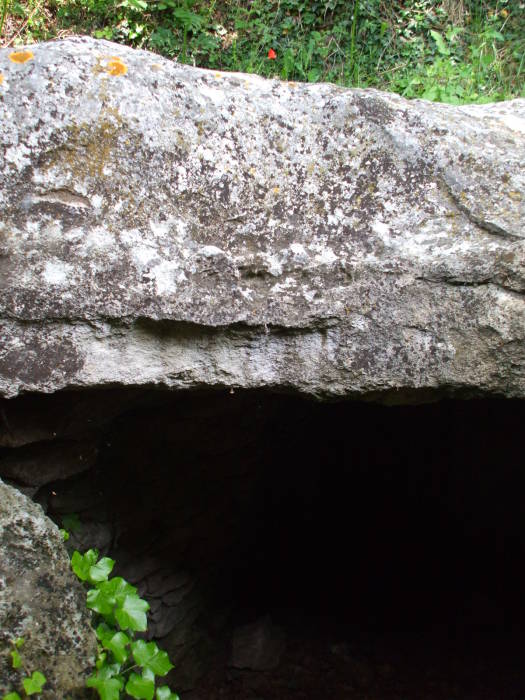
<point>163,224</point>
<point>42,601</point>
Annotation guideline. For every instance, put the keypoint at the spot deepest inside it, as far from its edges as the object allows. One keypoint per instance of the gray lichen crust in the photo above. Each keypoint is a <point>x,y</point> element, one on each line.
<point>162,224</point>
<point>41,601</point>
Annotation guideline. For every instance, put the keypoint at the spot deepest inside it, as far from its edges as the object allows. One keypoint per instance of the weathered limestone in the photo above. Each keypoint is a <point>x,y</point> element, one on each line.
<point>167,225</point>
<point>41,601</point>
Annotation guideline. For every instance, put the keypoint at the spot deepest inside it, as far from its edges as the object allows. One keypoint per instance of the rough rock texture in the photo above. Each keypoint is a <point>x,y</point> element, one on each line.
<point>258,646</point>
<point>168,225</point>
<point>41,600</point>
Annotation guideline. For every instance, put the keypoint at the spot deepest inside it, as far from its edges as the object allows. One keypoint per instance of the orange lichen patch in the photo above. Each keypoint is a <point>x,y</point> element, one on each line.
<point>21,56</point>
<point>116,66</point>
<point>1,78</point>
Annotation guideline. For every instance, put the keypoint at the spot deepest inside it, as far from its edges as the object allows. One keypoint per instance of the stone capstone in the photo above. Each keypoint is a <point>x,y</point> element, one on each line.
<point>166,225</point>
<point>42,601</point>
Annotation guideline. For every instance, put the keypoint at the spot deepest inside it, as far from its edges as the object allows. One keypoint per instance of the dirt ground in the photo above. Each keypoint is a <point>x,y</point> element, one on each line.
<point>454,664</point>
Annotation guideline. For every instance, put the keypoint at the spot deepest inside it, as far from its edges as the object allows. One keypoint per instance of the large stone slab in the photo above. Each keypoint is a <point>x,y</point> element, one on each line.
<point>162,224</point>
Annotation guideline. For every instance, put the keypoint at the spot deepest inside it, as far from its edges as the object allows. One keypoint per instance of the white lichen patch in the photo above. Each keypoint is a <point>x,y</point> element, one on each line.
<point>97,238</point>
<point>18,155</point>
<point>57,273</point>
<point>142,255</point>
<point>213,94</point>
<point>96,201</point>
<point>131,237</point>
<point>210,251</point>
<point>382,229</point>
<point>326,257</point>
<point>167,275</point>
<point>274,264</point>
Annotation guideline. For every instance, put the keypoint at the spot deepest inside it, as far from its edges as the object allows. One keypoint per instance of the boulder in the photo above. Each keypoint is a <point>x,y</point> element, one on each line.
<point>167,225</point>
<point>42,601</point>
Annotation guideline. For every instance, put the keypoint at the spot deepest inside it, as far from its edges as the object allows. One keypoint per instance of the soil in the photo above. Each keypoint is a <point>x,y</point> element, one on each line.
<point>319,667</point>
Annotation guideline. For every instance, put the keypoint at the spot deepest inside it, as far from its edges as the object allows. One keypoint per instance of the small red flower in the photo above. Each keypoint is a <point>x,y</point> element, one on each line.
<point>271,54</point>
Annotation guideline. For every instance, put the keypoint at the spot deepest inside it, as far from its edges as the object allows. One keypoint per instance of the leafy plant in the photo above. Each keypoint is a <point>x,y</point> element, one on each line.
<point>124,664</point>
<point>468,51</point>
<point>3,13</point>
<point>71,522</point>
<point>32,683</point>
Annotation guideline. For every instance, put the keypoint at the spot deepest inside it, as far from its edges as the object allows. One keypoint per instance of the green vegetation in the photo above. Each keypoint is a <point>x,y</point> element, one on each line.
<point>126,667</point>
<point>31,682</point>
<point>452,50</point>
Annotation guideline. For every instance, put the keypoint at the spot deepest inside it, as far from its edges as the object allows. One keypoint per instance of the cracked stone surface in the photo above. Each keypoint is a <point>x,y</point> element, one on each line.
<point>162,224</point>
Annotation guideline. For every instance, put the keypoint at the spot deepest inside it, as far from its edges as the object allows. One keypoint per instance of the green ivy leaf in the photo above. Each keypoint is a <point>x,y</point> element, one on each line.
<point>431,93</point>
<point>104,632</point>
<point>100,603</point>
<point>34,683</point>
<point>81,564</point>
<point>494,34</point>
<point>16,659</point>
<point>440,43</point>
<point>101,570</point>
<point>313,75</point>
<point>108,688</point>
<point>137,4</point>
<point>117,588</point>
<point>101,659</point>
<point>117,645</point>
<point>141,687</point>
<point>148,655</point>
<point>109,594</point>
<point>116,642</point>
<point>118,602</point>
<point>12,696</point>
<point>19,642</point>
<point>64,533</point>
<point>109,671</point>
<point>164,693</point>
<point>132,613</point>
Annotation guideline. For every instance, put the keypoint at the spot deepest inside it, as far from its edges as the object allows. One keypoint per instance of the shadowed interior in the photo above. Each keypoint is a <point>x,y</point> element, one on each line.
<point>385,543</point>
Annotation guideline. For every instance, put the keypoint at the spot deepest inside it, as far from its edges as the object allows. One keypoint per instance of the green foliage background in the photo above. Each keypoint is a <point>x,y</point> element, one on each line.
<point>451,50</point>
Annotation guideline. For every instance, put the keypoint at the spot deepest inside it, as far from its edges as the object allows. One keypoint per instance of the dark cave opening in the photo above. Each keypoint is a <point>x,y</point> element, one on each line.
<point>399,533</point>
<point>384,545</point>
<point>389,505</point>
